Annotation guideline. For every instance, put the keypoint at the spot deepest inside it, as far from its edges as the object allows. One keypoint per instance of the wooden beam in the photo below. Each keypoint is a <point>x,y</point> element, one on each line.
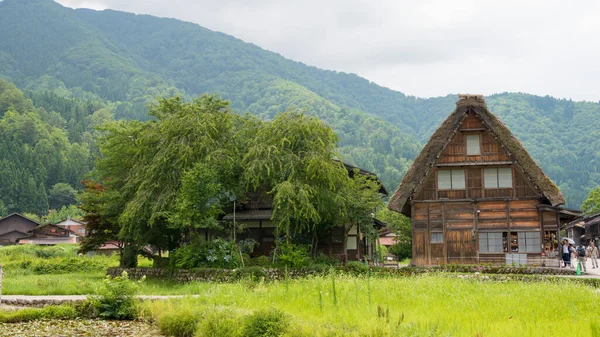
<point>478,163</point>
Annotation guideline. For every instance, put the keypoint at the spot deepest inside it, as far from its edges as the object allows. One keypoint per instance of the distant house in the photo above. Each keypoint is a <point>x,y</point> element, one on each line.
<point>584,229</point>
<point>387,238</point>
<point>76,226</point>
<point>15,227</point>
<point>475,195</point>
<point>255,214</point>
<point>19,229</point>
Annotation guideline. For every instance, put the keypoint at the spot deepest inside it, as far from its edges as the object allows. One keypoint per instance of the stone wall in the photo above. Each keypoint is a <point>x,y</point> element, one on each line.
<point>272,274</point>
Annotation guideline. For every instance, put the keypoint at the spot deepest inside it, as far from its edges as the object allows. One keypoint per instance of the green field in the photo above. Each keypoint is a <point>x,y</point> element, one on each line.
<point>435,304</point>
<point>427,305</point>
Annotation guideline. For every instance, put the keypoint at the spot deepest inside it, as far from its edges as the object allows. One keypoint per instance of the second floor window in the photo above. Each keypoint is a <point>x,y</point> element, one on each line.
<point>451,179</point>
<point>473,148</point>
<point>497,177</point>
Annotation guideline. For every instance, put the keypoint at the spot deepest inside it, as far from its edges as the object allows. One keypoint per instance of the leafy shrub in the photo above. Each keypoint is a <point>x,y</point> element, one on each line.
<point>403,250</point>
<point>116,299</point>
<point>261,261</point>
<point>266,323</point>
<point>213,254</point>
<point>294,256</point>
<point>182,322</point>
<point>65,312</point>
<point>220,324</point>
<point>86,309</point>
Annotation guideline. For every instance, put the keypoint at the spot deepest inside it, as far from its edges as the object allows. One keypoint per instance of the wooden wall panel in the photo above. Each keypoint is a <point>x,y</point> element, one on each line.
<point>461,248</point>
<point>420,246</point>
<point>549,220</point>
<point>491,205</point>
<point>455,151</point>
<point>437,254</point>
<point>524,224</point>
<point>522,187</point>
<point>471,122</point>
<point>523,204</point>
<point>435,215</point>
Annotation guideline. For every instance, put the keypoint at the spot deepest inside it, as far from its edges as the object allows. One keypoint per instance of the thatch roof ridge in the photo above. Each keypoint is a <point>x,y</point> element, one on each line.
<point>431,152</point>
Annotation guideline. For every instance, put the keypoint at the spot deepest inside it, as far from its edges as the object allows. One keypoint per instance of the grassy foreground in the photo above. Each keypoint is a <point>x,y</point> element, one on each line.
<point>428,305</point>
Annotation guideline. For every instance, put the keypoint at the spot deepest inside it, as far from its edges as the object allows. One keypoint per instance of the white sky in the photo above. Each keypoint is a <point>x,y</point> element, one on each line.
<point>424,48</point>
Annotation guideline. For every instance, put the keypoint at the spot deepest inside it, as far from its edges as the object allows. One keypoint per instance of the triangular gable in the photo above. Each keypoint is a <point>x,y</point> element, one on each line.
<point>429,156</point>
<point>21,216</point>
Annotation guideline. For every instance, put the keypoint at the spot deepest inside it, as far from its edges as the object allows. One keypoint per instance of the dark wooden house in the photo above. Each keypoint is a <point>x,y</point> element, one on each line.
<point>19,229</point>
<point>475,195</point>
<point>254,215</point>
<point>14,227</point>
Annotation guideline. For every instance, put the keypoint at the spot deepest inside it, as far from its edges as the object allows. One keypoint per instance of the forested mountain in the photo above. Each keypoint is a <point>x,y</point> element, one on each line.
<point>114,63</point>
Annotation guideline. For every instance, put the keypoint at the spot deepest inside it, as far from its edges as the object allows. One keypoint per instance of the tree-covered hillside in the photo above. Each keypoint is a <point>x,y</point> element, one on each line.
<point>125,61</point>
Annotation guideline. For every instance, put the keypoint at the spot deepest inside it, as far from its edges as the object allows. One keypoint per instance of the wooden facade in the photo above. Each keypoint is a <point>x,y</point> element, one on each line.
<point>475,201</point>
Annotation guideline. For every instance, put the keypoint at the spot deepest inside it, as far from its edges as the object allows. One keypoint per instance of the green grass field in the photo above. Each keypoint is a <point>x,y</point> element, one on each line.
<point>435,304</point>
<point>427,305</point>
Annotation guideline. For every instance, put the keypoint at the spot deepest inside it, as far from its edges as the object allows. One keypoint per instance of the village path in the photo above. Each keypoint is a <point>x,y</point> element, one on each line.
<point>58,299</point>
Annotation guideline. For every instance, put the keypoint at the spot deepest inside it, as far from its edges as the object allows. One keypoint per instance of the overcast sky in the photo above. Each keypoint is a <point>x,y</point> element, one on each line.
<point>423,48</point>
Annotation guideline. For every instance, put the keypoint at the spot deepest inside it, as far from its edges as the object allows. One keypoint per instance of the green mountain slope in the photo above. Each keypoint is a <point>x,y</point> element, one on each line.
<point>126,60</point>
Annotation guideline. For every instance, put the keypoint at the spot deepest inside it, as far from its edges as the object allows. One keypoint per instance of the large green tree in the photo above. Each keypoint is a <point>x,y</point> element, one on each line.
<point>591,205</point>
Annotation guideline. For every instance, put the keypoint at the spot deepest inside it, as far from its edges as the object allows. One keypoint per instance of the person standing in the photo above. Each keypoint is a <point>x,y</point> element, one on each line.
<point>581,254</point>
<point>593,254</point>
<point>573,255</point>
<point>566,253</point>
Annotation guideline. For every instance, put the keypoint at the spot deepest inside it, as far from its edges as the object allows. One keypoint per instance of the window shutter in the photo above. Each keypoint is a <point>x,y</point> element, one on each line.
<point>458,179</point>
<point>495,242</point>
<point>483,243</point>
<point>444,182</point>
<point>505,177</point>
<point>490,178</point>
<point>473,145</point>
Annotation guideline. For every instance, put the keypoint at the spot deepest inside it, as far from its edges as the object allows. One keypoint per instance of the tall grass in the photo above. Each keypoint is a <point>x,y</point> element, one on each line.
<point>54,270</point>
<point>429,305</point>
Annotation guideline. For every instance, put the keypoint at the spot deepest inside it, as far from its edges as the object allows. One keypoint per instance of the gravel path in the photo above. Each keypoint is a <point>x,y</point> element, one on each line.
<point>58,299</point>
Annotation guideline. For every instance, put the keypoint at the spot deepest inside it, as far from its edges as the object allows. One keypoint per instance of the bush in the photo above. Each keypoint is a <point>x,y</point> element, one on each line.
<point>402,250</point>
<point>65,312</point>
<point>182,322</point>
<point>261,261</point>
<point>290,255</point>
<point>220,324</point>
<point>116,299</point>
<point>213,254</point>
<point>266,323</point>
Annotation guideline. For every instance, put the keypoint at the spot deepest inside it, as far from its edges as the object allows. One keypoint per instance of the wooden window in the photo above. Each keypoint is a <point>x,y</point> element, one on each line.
<point>451,179</point>
<point>81,230</point>
<point>529,242</point>
<point>437,237</point>
<point>473,147</point>
<point>497,177</point>
<point>490,242</point>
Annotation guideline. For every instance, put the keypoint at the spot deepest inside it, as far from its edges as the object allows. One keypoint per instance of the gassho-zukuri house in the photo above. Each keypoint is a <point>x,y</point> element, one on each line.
<point>474,195</point>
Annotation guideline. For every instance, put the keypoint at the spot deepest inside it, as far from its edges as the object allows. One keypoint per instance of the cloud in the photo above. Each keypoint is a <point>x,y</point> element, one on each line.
<point>424,48</point>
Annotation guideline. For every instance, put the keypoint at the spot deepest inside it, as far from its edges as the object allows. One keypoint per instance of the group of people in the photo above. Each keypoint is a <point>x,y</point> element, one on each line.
<point>579,254</point>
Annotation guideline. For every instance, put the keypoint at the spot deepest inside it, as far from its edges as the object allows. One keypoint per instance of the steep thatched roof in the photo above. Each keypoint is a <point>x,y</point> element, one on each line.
<point>426,160</point>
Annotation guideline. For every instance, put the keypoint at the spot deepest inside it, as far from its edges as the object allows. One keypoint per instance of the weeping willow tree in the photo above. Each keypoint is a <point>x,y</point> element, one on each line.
<point>293,156</point>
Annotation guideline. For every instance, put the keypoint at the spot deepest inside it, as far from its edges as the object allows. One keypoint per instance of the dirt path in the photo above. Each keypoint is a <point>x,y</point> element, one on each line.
<point>20,300</point>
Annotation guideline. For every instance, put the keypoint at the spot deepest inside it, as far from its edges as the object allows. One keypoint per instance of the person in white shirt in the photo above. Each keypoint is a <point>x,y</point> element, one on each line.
<point>593,254</point>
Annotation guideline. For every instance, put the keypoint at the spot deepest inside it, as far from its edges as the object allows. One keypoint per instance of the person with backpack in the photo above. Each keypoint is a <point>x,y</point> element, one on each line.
<point>581,254</point>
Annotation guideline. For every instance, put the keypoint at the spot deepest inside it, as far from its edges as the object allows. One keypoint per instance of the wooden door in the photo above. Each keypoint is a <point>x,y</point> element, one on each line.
<point>420,244</point>
<point>461,247</point>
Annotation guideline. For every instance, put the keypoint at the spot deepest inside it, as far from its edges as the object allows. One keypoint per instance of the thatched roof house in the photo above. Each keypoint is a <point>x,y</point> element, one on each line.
<point>425,161</point>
